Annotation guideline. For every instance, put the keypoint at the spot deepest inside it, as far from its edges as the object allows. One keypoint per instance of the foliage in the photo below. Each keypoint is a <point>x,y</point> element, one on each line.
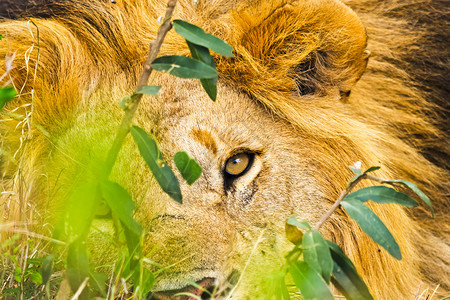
<point>29,272</point>
<point>6,95</point>
<point>315,262</point>
<point>86,198</point>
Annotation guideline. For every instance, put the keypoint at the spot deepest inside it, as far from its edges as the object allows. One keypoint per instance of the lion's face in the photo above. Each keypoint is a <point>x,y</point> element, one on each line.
<point>229,231</point>
<point>257,166</point>
<point>256,173</point>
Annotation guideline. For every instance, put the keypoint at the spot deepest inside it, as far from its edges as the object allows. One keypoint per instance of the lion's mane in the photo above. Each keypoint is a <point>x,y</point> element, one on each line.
<point>395,115</point>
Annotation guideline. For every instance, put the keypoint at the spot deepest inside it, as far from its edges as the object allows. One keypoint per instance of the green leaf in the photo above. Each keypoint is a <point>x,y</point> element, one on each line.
<point>148,280</point>
<point>316,254</point>
<point>80,213</point>
<point>18,274</point>
<point>293,234</point>
<point>36,277</point>
<point>210,86</point>
<point>81,209</point>
<point>276,287</point>
<point>6,95</point>
<point>371,169</point>
<point>293,221</point>
<point>281,291</point>
<point>202,54</point>
<point>78,266</point>
<point>152,156</point>
<point>345,277</point>
<point>356,168</point>
<point>382,194</point>
<point>196,35</point>
<point>309,282</point>
<point>128,265</point>
<point>121,204</point>
<point>124,102</point>
<point>169,182</point>
<point>152,90</point>
<point>413,187</point>
<point>35,261</point>
<point>98,282</point>
<point>184,67</point>
<point>134,246</point>
<point>47,268</point>
<point>188,167</point>
<point>372,226</point>
<point>352,180</point>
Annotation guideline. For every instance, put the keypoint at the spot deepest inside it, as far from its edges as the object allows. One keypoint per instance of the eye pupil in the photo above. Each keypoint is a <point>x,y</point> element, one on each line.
<point>237,164</point>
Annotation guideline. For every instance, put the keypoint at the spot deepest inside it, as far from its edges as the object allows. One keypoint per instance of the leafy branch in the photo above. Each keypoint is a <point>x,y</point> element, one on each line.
<point>365,175</point>
<point>341,197</point>
<point>86,198</point>
<point>132,105</point>
<point>315,262</point>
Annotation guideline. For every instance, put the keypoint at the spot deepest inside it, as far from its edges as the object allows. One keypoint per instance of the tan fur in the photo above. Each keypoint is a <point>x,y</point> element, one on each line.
<point>284,97</point>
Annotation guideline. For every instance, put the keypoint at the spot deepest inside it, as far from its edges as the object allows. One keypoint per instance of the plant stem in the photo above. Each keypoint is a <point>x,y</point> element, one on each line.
<point>132,106</point>
<point>377,179</point>
<point>338,201</point>
<point>344,193</point>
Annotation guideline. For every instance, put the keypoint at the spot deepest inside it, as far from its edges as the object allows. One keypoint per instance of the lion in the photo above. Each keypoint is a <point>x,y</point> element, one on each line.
<point>313,88</point>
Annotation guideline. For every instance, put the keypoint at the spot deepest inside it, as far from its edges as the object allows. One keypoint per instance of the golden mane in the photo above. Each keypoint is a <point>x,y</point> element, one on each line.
<point>387,119</point>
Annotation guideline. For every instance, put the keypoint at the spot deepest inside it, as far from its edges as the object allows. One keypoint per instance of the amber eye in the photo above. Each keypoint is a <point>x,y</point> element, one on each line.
<point>238,164</point>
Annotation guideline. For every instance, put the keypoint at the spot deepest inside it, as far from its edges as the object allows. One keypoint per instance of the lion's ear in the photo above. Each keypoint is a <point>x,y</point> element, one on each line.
<point>307,47</point>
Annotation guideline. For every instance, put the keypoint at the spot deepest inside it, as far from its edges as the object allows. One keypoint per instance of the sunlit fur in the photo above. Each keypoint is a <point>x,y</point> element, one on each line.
<point>93,51</point>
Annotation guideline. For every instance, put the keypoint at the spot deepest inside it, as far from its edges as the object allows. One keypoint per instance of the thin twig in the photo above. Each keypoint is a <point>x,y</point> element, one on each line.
<point>338,201</point>
<point>136,98</point>
<point>80,289</point>
<point>345,193</point>
<point>377,179</point>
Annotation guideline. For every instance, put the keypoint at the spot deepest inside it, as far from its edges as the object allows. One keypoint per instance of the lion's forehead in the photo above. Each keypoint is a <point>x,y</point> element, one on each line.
<point>191,120</point>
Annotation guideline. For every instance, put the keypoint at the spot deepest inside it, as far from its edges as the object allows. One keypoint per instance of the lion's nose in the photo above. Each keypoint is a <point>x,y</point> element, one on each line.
<point>203,289</point>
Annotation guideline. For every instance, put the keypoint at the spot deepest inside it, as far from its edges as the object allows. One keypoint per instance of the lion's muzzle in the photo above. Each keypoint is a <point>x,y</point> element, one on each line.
<point>203,289</point>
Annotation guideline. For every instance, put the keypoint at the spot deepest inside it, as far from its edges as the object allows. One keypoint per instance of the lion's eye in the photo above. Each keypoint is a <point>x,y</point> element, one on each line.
<point>238,164</point>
